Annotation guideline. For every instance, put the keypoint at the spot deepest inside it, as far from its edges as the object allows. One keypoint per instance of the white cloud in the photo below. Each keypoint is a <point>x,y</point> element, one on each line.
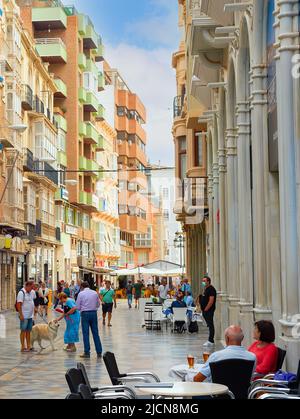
<point>160,25</point>
<point>150,75</point>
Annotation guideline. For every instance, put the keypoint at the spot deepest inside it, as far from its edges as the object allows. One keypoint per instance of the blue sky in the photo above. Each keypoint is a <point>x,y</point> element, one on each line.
<point>140,37</point>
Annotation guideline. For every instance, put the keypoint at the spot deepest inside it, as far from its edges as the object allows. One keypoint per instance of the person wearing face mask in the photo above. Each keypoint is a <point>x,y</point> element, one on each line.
<point>207,301</point>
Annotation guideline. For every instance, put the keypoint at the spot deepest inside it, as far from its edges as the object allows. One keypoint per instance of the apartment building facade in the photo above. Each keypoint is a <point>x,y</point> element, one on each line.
<point>246,54</point>
<point>67,41</point>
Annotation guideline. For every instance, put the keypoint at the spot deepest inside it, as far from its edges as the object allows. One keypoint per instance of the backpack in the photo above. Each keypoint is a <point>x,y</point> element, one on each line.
<point>285,376</point>
<point>193,327</point>
<point>16,303</point>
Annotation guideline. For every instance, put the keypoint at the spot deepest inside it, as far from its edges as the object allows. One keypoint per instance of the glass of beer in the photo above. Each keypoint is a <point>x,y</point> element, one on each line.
<point>206,355</point>
<point>191,361</point>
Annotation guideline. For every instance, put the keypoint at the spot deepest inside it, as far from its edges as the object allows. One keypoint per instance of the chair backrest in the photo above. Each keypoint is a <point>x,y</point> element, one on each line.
<point>82,368</point>
<point>280,358</point>
<point>74,378</point>
<point>112,368</point>
<point>236,374</point>
<point>85,392</point>
<point>179,314</point>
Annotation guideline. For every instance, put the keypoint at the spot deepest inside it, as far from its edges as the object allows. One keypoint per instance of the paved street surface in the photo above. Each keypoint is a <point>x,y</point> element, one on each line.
<point>41,375</point>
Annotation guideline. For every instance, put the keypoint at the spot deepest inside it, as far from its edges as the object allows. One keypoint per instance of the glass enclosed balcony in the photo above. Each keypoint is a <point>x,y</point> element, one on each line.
<point>92,133</point>
<point>62,158</point>
<point>52,50</point>
<point>91,67</point>
<point>99,52</point>
<point>90,39</point>
<point>82,129</point>
<point>61,122</point>
<point>44,18</point>
<point>101,81</point>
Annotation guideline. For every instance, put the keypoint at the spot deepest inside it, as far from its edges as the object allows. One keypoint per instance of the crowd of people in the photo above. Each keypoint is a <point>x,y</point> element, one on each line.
<point>79,303</point>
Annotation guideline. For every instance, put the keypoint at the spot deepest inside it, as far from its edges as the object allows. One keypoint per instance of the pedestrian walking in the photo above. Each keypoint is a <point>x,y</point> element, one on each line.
<point>59,290</point>
<point>88,303</point>
<point>43,299</point>
<point>207,301</point>
<point>67,290</point>
<point>108,299</point>
<point>137,292</point>
<point>25,308</point>
<point>72,317</point>
<point>163,291</point>
<point>72,289</point>
<point>129,291</point>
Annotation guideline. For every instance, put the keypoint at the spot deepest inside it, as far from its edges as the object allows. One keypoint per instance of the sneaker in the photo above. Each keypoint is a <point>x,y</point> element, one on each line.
<point>99,356</point>
<point>209,344</point>
<point>86,356</point>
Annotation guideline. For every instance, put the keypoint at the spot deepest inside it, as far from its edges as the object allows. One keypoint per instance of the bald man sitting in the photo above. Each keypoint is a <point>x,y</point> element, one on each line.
<point>234,350</point>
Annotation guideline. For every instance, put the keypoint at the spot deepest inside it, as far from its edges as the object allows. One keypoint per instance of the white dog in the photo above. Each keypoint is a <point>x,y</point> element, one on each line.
<point>45,332</point>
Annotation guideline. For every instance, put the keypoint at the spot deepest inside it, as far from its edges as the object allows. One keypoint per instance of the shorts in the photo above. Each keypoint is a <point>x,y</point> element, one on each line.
<point>26,325</point>
<point>137,297</point>
<point>107,308</point>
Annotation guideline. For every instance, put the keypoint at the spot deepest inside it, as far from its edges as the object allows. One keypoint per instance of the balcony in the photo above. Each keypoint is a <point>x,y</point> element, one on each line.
<point>100,116</point>
<point>91,104</point>
<point>27,98</point>
<point>101,81</point>
<point>91,67</point>
<point>82,93</point>
<point>82,61</point>
<point>82,129</point>
<point>62,158</point>
<point>89,200</point>
<point>45,169</point>
<point>62,195</point>
<point>90,39</point>
<point>133,224</point>
<point>44,18</point>
<point>101,144</point>
<point>178,106</point>
<point>61,122</point>
<point>99,52</point>
<point>61,88</point>
<point>89,166</point>
<point>82,24</point>
<point>52,50</point>
<point>92,133</point>
<point>28,163</point>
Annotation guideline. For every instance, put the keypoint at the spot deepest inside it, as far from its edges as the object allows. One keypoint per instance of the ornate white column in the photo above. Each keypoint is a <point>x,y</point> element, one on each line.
<point>210,206</point>
<point>223,296</point>
<point>288,36</point>
<point>232,226</point>
<point>215,180</point>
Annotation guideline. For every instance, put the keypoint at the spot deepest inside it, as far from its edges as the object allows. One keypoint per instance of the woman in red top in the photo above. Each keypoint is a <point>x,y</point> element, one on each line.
<point>264,349</point>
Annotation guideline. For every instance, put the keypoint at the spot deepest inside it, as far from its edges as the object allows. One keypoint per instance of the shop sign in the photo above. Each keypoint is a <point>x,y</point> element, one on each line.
<point>73,231</point>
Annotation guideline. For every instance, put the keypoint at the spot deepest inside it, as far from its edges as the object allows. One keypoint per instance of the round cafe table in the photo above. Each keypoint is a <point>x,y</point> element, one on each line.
<point>182,371</point>
<point>186,390</point>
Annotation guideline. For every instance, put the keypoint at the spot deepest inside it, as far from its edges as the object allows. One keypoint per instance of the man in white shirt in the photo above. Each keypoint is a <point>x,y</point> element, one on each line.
<point>25,307</point>
<point>234,350</point>
<point>163,291</point>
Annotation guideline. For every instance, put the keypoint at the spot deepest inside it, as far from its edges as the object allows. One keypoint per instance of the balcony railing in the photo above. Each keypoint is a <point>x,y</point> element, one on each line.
<point>28,162</point>
<point>178,106</point>
<point>38,105</point>
<point>27,98</point>
<point>45,169</point>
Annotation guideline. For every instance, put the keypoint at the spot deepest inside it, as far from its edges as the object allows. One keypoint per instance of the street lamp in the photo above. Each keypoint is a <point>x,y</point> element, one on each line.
<point>179,243</point>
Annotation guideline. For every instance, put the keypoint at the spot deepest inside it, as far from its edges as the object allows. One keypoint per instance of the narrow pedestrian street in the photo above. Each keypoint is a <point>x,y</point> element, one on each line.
<point>42,375</point>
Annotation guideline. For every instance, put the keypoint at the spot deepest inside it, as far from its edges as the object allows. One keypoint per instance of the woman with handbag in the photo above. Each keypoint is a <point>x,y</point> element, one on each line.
<point>72,317</point>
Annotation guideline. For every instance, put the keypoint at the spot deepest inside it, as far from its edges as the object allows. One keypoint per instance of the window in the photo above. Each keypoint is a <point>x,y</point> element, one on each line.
<point>198,140</point>
<point>121,111</point>
<point>182,157</point>
<point>70,219</point>
<point>123,209</point>
<point>122,185</point>
<point>132,186</point>
<point>166,215</point>
<point>86,222</point>
<point>165,193</point>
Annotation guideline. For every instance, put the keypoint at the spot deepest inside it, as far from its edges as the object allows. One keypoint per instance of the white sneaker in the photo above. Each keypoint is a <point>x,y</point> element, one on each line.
<point>209,344</point>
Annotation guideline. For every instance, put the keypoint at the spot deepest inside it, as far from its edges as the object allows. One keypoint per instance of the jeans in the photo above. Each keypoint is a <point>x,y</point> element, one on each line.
<point>209,318</point>
<point>129,299</point>
<point>89,320</point>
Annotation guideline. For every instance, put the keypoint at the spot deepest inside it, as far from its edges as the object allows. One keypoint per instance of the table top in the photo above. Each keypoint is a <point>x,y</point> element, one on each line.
<point>183,389</point>
<point>182,370</point>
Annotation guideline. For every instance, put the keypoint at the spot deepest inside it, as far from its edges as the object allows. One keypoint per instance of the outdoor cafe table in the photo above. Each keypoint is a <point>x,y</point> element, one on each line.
<point>182,371</point>
<point>186,390</point>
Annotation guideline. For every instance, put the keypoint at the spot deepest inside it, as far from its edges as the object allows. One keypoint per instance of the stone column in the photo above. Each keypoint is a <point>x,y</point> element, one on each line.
<point>215,202</point>
<point>245,219</point>
<point>287,32</point>
<point>210,206</point>
<point>232,226</point>
<point>223,296</point>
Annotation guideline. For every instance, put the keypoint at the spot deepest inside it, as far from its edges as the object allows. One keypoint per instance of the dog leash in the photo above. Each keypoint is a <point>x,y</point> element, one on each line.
<point>42,318</point>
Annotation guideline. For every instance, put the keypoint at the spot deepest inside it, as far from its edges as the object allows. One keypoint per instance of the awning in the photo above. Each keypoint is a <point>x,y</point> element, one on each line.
<point>96,270</point>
